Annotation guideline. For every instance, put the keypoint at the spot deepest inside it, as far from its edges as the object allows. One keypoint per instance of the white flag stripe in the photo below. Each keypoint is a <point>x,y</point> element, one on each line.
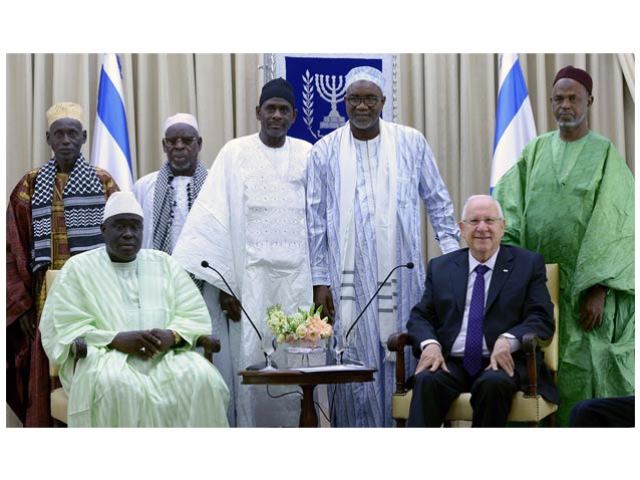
<point>515,118</point>
<point>108,152</point>
<point>513,141</point>
<point>111,68</point>
<point>105,147</point>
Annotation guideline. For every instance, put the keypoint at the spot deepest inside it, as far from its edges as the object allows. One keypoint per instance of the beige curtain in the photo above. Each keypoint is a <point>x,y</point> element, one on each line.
<point>449,97</point>
<point>220,89</point>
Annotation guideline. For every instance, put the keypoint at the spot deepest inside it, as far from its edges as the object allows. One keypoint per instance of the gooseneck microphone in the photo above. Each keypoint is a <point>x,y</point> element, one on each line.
<point>205,264</point>
<point>408,265</point>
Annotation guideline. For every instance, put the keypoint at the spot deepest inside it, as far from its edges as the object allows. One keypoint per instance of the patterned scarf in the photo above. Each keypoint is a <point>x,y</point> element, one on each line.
<point>164,202</point>
<point>83,199</point>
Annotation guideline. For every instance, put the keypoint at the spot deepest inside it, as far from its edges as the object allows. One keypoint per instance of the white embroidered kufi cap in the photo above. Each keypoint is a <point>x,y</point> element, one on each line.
<point>181,118</point>
<point>369,74</point>
<point>121,202</point>
<point>64,110</point>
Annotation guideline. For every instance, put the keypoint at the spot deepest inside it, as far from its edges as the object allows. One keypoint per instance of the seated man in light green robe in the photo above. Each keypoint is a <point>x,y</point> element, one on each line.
<point>571,198</point>
<point>140,315</point>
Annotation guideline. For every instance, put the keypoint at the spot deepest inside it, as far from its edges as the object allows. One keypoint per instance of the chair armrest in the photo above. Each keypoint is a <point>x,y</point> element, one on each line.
<point>78,350</point>
<point>210,344</point>
<point>396,343</point>
<point>530,343</point>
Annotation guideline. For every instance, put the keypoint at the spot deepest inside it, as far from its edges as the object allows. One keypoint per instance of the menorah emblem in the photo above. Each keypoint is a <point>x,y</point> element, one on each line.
<point>332,93</point>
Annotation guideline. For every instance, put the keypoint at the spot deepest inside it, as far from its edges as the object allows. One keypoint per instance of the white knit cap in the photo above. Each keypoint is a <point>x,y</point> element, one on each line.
<point>369,74</point>
<point>180,118</point>
<point>121,202</point>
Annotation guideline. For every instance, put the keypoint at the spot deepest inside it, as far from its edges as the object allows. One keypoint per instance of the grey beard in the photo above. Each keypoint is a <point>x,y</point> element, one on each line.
<point>573,123</point>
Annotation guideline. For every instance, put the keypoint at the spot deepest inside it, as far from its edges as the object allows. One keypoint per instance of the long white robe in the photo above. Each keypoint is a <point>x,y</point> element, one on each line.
<point>144,190</point>
<point>113,389</point>
<point>336,172</point>
<point>249,223</point>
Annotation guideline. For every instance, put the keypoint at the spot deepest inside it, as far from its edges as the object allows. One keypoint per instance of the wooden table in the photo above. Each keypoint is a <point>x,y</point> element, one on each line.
<point>308,379</point>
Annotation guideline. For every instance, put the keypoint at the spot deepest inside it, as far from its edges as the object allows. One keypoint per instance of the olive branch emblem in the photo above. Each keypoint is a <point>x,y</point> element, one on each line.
<point>307,103</point>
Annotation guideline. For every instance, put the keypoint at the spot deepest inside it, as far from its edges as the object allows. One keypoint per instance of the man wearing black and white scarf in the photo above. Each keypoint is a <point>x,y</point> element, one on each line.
<point>54,212</point>
<point>167,195</point>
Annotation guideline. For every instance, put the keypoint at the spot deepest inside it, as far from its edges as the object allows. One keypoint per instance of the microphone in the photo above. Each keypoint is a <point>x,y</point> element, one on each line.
<point>408,265</point>
<point>205,264</point>
<point>255,366</point>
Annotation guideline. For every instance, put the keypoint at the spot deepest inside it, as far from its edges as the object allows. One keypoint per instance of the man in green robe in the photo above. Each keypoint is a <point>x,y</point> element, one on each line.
<point>140,315</point>
<point>570,197</point>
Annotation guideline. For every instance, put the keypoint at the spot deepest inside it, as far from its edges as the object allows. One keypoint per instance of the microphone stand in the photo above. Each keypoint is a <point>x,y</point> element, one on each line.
<point>406,265</point>
<point>255,366</point>
<point>205,264</point>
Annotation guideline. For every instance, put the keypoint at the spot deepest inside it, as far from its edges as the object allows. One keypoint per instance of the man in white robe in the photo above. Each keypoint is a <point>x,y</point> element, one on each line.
<point>140,315</point>
<point>166,197</point>
<point>364,181</point>
<point>249,224</point>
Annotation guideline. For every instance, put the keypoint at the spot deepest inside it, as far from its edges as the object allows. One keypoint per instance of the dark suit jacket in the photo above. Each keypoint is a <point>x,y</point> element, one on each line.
<point>518,302</point>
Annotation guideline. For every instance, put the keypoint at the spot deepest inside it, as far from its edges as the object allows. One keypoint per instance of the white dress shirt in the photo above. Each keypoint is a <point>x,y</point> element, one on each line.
<point>457,349</point>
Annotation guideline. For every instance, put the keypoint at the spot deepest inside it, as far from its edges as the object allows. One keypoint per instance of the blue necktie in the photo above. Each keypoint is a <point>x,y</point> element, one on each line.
<point>473,344</point>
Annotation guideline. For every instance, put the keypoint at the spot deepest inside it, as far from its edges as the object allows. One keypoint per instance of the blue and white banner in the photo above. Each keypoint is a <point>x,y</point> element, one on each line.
<point>515,126</point>
<point>111,136</point>
<point>319,86</point>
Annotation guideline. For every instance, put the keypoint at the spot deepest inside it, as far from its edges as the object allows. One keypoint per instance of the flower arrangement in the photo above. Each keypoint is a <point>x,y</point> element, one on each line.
<point>303,328</point>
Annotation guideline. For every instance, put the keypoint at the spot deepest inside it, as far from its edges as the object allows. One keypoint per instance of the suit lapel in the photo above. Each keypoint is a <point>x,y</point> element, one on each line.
<point>459,278</point>
<point>501,272</point>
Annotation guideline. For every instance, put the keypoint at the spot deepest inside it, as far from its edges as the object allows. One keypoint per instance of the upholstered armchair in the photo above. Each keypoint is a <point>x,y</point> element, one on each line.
<point>59,398</point>
<point>528,406</point>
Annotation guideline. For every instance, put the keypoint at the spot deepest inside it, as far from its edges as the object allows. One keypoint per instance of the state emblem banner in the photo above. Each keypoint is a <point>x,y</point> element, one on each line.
<point>319,85</point>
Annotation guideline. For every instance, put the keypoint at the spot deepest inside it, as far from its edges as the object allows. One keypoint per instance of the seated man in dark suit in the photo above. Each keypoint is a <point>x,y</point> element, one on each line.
<point>477,305</point>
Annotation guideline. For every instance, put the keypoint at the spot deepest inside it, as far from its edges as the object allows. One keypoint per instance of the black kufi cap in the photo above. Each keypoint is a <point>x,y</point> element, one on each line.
<point>278,87</point>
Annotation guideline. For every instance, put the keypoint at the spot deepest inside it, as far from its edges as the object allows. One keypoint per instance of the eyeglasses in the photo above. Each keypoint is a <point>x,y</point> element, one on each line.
<point>490,221</point>
<point>369,100</point>
<point>187,141</point>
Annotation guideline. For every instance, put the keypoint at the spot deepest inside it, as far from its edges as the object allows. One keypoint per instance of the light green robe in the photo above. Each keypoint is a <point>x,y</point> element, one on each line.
<point>573,202</point>
<point>110,388</point>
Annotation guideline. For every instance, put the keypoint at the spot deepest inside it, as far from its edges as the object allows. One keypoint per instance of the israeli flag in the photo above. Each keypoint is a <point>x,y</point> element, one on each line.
<point>111,136</point>
<point>515,126</point>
